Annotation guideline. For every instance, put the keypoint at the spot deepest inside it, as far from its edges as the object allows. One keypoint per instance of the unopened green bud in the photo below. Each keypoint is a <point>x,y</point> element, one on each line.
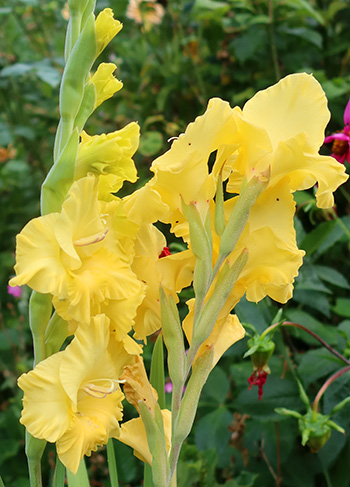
<point>315,430</point>
<point>173,337</point>
<point>260,351</point>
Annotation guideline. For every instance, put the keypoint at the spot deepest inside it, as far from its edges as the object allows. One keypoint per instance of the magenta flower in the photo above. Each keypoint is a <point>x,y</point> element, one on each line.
<point>15,291</point>
<point>168,386</point>
<point>341,139</point>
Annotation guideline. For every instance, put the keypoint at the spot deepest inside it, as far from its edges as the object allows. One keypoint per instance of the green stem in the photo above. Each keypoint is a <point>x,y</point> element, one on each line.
<point>345,193</point>
<point>34,451</point>
<point>273,42</point>
<point>326,385</point>
<point>80,479</point>
<point>112,464</point>
<point>340,223</point>
<point>60,474</point>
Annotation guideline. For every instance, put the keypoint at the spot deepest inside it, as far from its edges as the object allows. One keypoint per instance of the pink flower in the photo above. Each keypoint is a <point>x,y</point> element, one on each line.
<point>168,386</point>
<point>15,291</point>
<point>341,139</point>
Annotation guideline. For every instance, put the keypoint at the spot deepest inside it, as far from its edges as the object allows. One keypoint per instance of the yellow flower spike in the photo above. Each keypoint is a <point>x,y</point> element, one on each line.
<point>287,140</point>
<point>109,154</point>
<point>133,434</point>
<point>106,27</point>
<point>105,83</point>
<point>73,397</point>
<point>137,387</point>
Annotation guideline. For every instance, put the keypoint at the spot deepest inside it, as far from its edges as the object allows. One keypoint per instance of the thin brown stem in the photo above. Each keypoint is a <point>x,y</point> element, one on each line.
<point>266,460</point>
<point>326,385</point>
<point>278,453</point>
<point>273,42</point>
<point>313,334</point>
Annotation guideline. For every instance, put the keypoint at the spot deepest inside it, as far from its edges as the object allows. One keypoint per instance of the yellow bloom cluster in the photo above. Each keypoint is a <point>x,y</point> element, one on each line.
<point>101,257</point>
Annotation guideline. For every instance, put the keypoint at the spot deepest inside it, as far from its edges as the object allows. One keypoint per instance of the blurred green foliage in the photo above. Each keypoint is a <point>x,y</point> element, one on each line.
<point>200,49</point>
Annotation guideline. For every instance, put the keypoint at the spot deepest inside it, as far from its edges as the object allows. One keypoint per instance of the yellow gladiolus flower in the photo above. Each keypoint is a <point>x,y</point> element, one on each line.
<point>281,129</point>
<point>106,27</point>
<point>68,255</point>
<point>109,154</point>
<point>173,271</point>
<point>73,398</point>
<point>105,83</point>
<point>183,172</point>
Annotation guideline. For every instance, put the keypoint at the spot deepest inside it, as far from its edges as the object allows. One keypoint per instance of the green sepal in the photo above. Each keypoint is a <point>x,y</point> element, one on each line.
<point>338,407</point>
<point>55,334</point>
<point>201,247</point>
<point>74,78</point>
<point>156,441</point>
<point>173,338</point>
<point>77,5</point>
<point>157,379</point>
<point>239,216</point>
<point>302,394</point>
<point>224,285</point>
<point>200,372</point>
<point>40,309</point>
<point>87,106</point>
<point>219,219</point>
<point>335,426</point>
<point>89,8</point>
<point>60,177</point>
<point>288,412</point>
<point>77,70</point>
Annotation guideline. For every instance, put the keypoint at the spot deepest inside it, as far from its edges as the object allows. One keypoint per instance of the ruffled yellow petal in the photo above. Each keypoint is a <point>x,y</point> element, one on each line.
<point>84,436</point>
<point>133,434</point>
<point>38,257</point>
<point>105,83</point>
<point>183,170</point>
<point>109,153</point>
<point>294,105</point>
<point>271,268</point>
<point>103,277</point>
<point>280,130</point>
<point>79,224</point>
<point>146,206</point>
<point>47,411</point>
<point>106,27</point>
<point>305,169</point>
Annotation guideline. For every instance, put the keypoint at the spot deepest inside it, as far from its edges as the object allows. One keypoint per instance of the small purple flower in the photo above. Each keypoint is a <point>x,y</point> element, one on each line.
<point>341,139</point>
<point>15,291</point>
<point>168,386</point>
